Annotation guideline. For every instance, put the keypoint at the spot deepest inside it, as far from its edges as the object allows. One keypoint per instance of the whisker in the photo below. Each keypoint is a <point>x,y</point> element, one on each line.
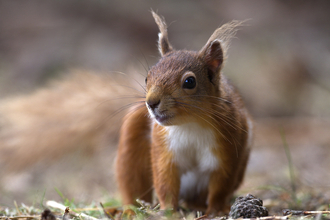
<point>213,127</point>
<point>137,107</point>
<point>120,110</point>
<point>208,96</point>
<point>231,121</point>
<point>220,106</point>
<point>133,88</point>
<point>144,67</point>
<point>119,98</point>
<point>214,119</point>
<point>145,59</point>
<point>206,120</point>
<point>130,77</point>
<point>215,113</point>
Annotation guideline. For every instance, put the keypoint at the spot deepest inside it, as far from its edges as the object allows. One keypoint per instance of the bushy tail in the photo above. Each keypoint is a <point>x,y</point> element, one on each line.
<point>79,112</point>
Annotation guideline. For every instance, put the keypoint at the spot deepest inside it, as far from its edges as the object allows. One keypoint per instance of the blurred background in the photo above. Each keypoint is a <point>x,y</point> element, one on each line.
<point>280,62</point>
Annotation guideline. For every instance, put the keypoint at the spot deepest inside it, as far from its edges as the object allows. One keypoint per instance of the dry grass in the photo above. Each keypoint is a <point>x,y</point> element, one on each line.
<point>111,209</point>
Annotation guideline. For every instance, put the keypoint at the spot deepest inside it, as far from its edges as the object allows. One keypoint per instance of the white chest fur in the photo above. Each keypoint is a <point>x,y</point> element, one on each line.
<point>192,147</point>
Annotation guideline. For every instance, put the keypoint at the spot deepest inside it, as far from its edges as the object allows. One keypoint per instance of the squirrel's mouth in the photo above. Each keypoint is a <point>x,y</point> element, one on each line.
<point>161,117</point>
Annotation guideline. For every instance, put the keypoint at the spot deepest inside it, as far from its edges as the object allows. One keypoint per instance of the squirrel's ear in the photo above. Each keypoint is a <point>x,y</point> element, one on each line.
<point>164,45</point>
<point>212,55</point>
<point>214,52</point>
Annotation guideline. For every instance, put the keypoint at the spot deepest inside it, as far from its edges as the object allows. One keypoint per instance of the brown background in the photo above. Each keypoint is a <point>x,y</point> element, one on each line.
<point>280,61</point>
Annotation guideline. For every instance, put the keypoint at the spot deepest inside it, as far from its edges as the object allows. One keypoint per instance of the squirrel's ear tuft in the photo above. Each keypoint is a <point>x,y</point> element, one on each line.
<point>214,51</point>
<point>212,55</point>
<point>164,45</point>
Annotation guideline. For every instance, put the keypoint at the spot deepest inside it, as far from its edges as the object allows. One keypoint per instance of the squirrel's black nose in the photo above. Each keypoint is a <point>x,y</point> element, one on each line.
<point>153,103</point>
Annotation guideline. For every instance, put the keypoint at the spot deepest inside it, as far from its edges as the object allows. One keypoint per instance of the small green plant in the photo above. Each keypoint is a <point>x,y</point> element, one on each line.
<point>66,201</point>
<point>291,170</point>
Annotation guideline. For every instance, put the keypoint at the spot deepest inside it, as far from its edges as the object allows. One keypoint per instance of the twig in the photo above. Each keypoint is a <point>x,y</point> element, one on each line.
<point>201,217</point>
<point>16,217</point>
<point>106,213</point>
<point>182,214</point>
<point>316,212</point>
<point>156,207</point>
<point>17,209</point>
<point>66,215</point>
<point>268,218</point>
<point>298,212</point>
<point>57,205</point>
<point>87,209</point>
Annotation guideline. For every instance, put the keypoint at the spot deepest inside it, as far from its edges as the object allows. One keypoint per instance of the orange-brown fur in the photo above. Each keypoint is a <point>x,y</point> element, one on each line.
<point>212,104</point>
<point>137,184</point>
<point>165,173</point>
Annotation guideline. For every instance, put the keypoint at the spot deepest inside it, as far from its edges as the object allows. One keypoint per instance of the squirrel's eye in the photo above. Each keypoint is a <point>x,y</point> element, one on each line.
<point>189,83</point>
<point>146,80</point>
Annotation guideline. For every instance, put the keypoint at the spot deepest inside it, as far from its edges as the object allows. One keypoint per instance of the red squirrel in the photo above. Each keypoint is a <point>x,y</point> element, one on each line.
<point>190,139</point>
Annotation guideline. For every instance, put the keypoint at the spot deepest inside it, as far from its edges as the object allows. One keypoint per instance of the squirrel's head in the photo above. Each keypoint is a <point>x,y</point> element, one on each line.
<point>185,84</point>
